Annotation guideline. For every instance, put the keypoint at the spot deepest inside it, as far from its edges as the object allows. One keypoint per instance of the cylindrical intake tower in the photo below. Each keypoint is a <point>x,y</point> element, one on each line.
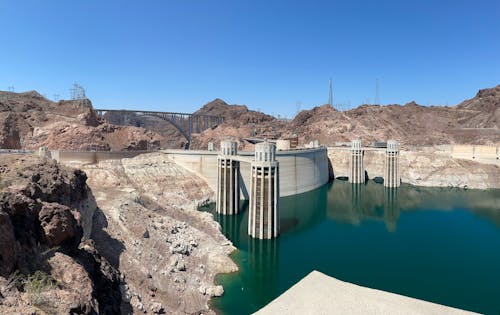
<point>357,167</point>
<point>228,174</point>
<point>392,177</point>
<point>263,219</point>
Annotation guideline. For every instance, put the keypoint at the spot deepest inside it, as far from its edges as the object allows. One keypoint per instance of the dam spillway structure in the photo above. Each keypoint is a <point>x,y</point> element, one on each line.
<point>392,176</point>
<point>356,165</point>
<point>263,219</point>
<point>228,175</point>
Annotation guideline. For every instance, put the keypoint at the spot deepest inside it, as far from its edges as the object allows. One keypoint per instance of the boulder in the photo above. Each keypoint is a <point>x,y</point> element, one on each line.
<point>212,291</point>
<point>74,291</point>
<point>59,225</point>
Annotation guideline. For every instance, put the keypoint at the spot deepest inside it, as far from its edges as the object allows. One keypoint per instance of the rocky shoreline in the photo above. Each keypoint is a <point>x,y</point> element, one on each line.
<point>168,252</point>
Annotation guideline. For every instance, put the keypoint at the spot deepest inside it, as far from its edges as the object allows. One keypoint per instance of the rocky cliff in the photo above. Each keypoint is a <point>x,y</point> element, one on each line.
<point>47,266</point>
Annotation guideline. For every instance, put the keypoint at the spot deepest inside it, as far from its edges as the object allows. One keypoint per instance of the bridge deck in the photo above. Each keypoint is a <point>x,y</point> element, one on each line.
<point>186,123</point>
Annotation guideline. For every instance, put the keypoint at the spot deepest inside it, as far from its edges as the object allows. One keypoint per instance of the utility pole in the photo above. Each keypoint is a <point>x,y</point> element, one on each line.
<point>298,105</point>
<point>330,96</point>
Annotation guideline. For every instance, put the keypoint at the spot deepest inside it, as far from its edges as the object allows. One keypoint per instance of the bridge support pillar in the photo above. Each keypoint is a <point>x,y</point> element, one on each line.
<point>263,219</point>
<point>228,173</point>
<point>357,167</point>
<point>392,177</point>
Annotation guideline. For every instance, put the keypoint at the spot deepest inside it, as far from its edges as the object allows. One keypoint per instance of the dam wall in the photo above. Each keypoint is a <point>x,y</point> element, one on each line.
<point>91,157</point>
<point>299,170</point>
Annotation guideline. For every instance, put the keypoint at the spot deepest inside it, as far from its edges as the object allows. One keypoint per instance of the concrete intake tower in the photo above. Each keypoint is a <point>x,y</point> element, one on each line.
<point>392,177</point>
<point>228,175</point>
<point>263,219</point>
<point>356,165</point>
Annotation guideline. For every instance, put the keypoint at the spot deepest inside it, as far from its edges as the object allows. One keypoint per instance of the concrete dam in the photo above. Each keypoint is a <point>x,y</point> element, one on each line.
<point>299,170</point>
<point>263,176</point>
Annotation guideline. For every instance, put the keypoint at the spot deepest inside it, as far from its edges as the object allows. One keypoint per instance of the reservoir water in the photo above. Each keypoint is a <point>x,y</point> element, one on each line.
<point>437,244</point>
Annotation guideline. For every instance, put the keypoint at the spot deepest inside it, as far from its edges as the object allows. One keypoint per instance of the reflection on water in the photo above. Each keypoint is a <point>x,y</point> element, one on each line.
<point>354,203</point>
<point>391,208</point>
<point>263,260</point>
<point>428,243</point>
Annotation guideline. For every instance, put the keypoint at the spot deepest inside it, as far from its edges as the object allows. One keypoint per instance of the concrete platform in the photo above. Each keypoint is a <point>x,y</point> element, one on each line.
<point>318,294</point>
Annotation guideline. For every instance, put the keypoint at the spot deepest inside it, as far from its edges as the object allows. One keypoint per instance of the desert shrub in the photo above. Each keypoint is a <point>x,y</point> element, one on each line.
<point>35,285</point>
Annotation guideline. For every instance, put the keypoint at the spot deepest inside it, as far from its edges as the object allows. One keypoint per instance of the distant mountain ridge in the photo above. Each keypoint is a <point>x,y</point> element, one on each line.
<point>411,124</point>
<point>29,120</point>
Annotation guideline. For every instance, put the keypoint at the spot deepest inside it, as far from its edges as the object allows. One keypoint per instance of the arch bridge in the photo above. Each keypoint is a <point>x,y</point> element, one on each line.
<point>186,123</point>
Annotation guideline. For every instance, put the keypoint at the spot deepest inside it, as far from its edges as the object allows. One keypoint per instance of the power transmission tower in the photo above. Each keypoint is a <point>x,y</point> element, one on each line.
<point>56,97</point>
<point>377,97</point>
<point>330,96</point>
<point>11,88</point>
<point>77,92</point>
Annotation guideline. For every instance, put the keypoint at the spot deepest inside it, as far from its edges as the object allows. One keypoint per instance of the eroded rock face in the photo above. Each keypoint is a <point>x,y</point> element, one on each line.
<point>184,249</point>
<point>7,247</point>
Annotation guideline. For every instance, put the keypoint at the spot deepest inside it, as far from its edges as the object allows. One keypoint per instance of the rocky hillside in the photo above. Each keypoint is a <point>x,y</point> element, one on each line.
<point>484,109</point>
<point>28,120</point>
<point>47,265</point>
<point>239,123</point>
<point>474,121</point>
<point>171,258</point>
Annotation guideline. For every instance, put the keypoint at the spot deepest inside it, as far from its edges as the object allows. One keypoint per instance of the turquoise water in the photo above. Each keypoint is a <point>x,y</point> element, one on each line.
<point>439,245</point>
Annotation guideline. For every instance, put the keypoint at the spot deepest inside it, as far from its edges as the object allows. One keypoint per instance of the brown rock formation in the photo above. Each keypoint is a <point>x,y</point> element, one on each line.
<point>28,120</point>
<point>42,205</point>
<point>59,224</point>
<point>474,121</point>
<point>239,123</point>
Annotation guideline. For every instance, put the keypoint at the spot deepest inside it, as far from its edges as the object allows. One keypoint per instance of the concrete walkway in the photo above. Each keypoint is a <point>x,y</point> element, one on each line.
<point>320,294</point>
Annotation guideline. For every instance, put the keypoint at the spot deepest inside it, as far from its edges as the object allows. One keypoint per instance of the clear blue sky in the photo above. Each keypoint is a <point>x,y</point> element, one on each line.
<point>178,55</point>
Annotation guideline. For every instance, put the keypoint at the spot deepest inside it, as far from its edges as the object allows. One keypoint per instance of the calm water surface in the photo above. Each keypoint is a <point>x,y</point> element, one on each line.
<point>439,245</point>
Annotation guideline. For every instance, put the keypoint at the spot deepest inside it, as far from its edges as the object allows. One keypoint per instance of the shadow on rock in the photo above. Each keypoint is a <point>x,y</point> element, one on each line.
<point>104,258</point>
